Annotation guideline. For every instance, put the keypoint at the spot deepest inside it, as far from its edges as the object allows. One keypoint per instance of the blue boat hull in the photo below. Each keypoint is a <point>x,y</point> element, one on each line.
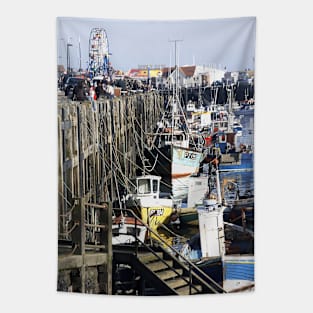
<point>245,162</point>
<point>237,269</point>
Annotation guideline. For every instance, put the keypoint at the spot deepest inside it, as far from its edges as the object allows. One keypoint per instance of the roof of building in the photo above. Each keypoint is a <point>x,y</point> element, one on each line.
<point>188,71</point>
<point>166,71</point>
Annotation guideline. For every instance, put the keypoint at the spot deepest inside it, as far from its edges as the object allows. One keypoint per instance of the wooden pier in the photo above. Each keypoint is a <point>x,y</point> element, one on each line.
<point>99,144</point>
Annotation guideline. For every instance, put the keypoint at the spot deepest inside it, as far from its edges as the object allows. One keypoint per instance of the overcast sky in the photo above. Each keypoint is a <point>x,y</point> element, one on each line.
<point>226,43</point>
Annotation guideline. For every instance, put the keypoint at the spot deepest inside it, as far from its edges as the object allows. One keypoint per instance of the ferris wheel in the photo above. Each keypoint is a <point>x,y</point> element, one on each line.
<point>98,51</point>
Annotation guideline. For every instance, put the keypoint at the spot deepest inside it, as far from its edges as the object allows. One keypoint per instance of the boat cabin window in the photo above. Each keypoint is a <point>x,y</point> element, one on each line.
<point>155,185</point>
<point>144,186</point>
<point>179,137</point>
<point>213,116</point>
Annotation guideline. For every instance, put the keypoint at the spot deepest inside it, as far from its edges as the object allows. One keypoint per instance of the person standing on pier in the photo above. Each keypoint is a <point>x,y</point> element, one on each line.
<point>110,90</point>
<point>100,89</point>
<point>80,91</point>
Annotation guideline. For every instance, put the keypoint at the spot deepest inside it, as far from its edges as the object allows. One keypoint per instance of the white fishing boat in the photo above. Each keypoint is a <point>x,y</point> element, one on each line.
<point>177,150</point>
<point>210,243</point>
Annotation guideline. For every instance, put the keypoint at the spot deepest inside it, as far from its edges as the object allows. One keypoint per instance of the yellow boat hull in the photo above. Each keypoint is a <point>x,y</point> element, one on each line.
<point>156,216</point>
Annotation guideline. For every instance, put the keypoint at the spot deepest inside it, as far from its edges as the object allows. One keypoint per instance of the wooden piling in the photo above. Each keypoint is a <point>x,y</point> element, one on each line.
<point>97,157</point>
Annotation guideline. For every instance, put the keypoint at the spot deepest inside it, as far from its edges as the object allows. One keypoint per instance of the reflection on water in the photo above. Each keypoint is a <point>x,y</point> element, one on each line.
<point>244,181</point>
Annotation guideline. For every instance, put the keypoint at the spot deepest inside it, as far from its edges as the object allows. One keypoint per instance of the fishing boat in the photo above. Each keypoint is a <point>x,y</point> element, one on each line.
<point>197,189</point>
<point>238,273</point>
<point>175,152</point>
<point>189,217</point>
<point>208,250</point>
<point>237,127</point>
<point>184,217</point>
<point>178,150</point>
<point>231,154</point>
<point>212,245</point>
<point>245,108</point>
<point>237,161</point>
<point>213,118</point>
<point>154,208</point>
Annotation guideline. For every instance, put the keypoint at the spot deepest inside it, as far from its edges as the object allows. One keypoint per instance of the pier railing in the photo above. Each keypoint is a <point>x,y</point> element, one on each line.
<point>193,270</point>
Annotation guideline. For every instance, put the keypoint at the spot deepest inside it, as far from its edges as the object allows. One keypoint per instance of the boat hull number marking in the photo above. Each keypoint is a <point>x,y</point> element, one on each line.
<point>190,155</point>
<point>156,212</point>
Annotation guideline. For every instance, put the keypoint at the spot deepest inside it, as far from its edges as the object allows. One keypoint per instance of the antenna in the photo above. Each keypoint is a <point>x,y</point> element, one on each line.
<point>176,67</point>
<point>80,55</point>
<point>175,89</point>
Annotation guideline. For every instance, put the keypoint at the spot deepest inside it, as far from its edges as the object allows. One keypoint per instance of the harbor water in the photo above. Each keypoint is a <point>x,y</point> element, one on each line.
<point>243,180</point>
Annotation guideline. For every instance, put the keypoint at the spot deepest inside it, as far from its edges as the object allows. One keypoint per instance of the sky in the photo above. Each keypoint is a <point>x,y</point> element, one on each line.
<point>220,43</point>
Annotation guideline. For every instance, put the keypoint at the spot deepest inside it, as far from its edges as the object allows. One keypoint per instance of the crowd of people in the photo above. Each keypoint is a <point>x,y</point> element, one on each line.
<point>101,89</point>
<point>104,87</point>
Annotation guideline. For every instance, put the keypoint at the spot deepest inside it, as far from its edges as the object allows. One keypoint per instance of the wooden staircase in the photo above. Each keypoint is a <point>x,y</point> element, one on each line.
<point>166,273</point>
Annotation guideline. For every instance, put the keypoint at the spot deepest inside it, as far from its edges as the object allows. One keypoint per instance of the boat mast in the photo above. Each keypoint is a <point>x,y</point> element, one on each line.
<point>80,55</point>
<point>175,89</point>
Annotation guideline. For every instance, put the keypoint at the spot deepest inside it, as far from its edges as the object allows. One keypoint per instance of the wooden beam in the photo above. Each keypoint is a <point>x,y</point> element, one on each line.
<point>77,261</point>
